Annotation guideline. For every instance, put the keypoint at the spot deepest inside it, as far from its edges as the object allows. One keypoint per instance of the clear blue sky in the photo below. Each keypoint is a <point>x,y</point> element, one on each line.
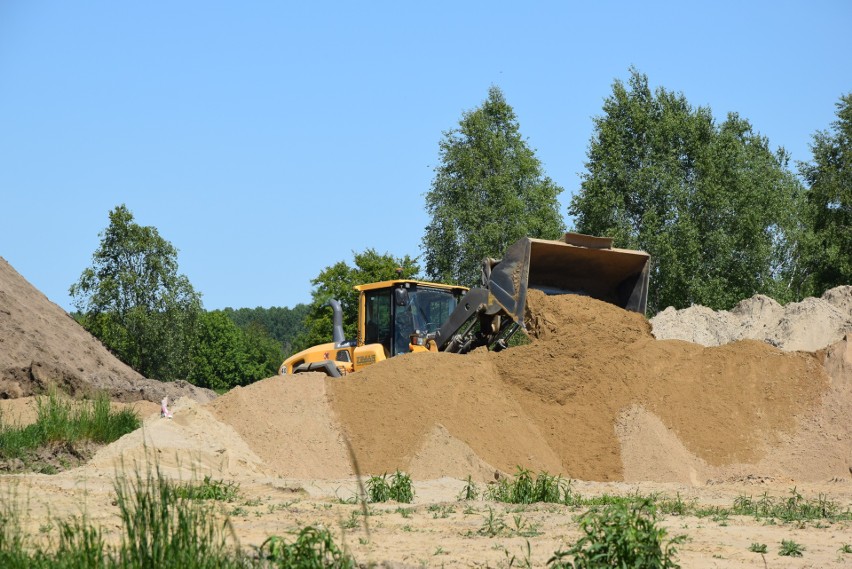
<point>268,140</point>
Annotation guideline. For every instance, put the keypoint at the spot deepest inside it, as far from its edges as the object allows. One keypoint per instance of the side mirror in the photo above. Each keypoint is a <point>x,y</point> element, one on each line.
<point>400,296</point>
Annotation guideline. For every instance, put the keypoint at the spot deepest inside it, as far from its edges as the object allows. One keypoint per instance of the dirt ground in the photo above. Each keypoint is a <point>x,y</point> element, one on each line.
<point>609,400</point>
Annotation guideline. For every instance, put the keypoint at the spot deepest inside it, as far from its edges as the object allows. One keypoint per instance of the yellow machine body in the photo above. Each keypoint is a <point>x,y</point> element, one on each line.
<point>393,318</point>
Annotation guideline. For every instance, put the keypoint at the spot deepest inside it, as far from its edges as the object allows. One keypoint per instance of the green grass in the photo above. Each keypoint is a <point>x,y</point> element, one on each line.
<point>61,421</point>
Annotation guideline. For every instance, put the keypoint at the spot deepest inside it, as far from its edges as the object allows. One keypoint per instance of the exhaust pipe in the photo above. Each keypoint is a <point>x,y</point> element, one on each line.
<point>337,323</point>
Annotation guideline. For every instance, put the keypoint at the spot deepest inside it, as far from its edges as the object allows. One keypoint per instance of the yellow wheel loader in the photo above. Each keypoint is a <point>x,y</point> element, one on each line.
<point>401,316</point>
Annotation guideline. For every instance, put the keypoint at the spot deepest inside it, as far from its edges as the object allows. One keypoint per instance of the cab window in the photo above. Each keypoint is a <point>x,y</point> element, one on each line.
<point>377,318</point>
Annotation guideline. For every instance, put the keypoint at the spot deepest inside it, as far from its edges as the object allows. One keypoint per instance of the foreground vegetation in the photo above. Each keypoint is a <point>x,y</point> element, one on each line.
<point>64,428</point>
<point>164,525</point>
<point>167,523</point>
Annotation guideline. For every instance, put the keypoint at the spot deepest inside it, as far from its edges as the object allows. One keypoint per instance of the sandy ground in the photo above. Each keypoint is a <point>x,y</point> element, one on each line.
<point>438,530</point>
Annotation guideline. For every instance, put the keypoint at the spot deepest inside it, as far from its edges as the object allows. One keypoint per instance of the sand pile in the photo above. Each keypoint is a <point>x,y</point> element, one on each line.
<point>809,325</point>
<point>191,445</point>
<point>593,397</point>
<point>556,404</point>
<point>40,345</point>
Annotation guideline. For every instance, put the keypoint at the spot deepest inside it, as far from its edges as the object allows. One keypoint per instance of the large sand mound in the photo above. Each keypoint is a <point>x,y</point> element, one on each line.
<point>809,325</point>
<point>593,397</point>
<point>41,345</point>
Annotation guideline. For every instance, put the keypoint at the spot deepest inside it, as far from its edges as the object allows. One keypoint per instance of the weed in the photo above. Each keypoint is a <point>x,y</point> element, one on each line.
<point>164,529</point>
<point>492,525</point>
<point>795,508</point>
<point>525,489</point>
<point>440,511</point>
<point>790,548</point>
<point>209,489</point>
<point>524,528</point>
<point>312,547</point>
<point>352,522</point>
<point>470,490</point>
<point>845,548</point>
<point>622,535</point>
<point>676,507</point>
<point>757,548</point>
<point>524,561</point>
<point>397,487</point>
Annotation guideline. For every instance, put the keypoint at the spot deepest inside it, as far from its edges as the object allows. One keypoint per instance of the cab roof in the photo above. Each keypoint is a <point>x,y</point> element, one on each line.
<point>394,283</point>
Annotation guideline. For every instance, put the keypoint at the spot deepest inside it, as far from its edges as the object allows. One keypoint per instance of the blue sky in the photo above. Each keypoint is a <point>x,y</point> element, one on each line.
<point>268,140</point>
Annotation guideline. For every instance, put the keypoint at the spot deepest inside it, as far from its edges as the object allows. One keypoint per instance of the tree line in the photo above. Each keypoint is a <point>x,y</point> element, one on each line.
<point>723,215</point>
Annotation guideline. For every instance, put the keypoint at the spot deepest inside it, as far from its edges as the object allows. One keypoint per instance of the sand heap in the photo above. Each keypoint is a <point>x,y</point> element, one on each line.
<point>40,344</point>
<point>595,396</point>
<point>809,325</point>
<point>560,403</point>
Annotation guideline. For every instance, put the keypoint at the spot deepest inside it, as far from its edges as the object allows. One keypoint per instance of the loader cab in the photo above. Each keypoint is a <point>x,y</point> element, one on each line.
<point>392,311</point>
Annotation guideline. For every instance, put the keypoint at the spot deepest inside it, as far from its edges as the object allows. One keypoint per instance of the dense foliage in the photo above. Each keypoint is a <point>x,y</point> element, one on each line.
<point>337,282</point>
<point>718,211</point>
<point>488,192</point>
<point>830,200</point>
<point>225,355</point>
<point>282,323</point>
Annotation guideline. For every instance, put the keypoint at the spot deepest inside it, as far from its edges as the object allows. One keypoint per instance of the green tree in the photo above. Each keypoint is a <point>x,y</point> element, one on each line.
<point>488,192</point>
<point>718,211</point>
<point>133,299</point>
<point>829,175</point>
<point>225,356</point>
<point>337,282</point>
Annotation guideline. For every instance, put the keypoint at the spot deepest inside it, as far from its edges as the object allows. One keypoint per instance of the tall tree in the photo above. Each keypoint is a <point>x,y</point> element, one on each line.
<point>133,299</point>
<point>489,190</point>
<point>717,210</point>
<point>829,175</point>
<point>337,282</point>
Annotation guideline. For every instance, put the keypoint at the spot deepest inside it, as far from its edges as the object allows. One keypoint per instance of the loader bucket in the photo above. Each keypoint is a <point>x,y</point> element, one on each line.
<point>579,264</point>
